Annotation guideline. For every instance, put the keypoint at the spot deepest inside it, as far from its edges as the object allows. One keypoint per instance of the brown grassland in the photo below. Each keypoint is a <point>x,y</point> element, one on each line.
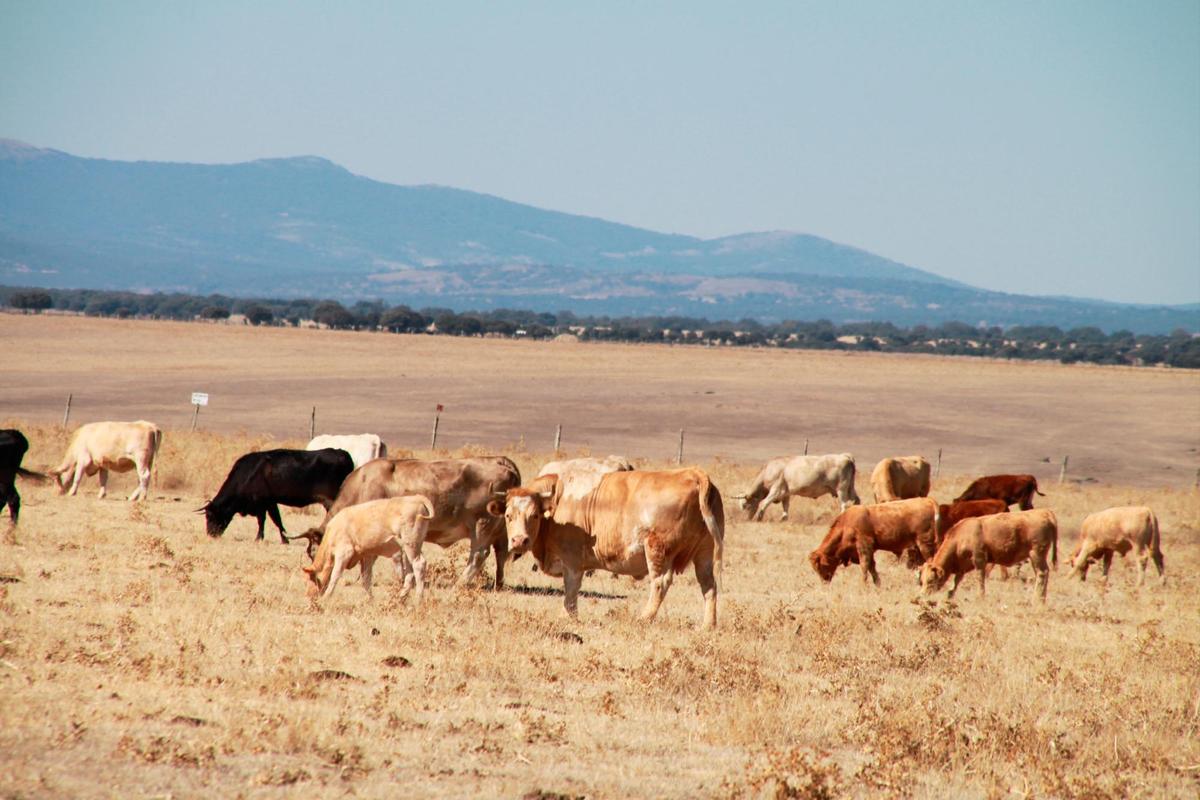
<point>139,658</point>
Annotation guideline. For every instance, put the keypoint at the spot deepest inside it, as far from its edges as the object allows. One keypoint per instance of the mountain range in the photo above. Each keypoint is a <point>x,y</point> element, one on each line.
<point>306,227</point>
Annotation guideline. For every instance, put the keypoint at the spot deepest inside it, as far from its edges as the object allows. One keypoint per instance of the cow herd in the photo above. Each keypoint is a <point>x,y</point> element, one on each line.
<point>585,514</point>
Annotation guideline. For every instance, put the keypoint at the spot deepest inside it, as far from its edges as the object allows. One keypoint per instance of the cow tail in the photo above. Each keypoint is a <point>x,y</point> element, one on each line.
<point>714,523</point>
<point>1155,550</point>
<point>1054,547</point>
<point>1036,489</point>
<point>428,506</point>
<point>31,475</point>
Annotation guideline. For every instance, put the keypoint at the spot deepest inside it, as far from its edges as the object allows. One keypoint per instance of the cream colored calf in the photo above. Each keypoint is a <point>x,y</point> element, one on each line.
<point>99,447</point>
<point>393,528</point>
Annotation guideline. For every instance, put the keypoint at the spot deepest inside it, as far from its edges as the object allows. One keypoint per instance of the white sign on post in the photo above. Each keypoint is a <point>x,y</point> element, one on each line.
<point>199,398</point>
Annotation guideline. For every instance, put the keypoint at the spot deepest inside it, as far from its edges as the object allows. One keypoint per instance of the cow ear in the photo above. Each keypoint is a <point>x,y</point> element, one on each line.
<point>495,508</point>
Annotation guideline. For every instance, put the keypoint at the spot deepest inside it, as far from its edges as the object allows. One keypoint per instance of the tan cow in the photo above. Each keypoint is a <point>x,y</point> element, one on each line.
<point>1006,539</point>
<point>1118,530</point>
<point>640,523</point>
<point>905,527</point>
<point>782,478</point>
<point>392,528</point>
<point>900,478</point>
<point>460,489</point>
<point>100,447</point>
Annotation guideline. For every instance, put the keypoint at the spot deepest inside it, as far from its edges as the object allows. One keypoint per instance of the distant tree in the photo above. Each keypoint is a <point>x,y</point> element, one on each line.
<point>333,314</point>
<point>403,319</point>
<point>214,312</point>
<point>258,314</point>
<point>459,325</point>
<point>35,301</point>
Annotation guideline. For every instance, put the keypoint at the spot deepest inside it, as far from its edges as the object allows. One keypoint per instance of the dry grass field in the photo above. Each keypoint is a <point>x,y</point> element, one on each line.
<point>139,658</point>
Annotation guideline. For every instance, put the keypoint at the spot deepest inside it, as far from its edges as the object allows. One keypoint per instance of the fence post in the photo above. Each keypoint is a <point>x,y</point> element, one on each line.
<point>433,438</point>
<point>195,414</point>
<point>679,453</point>
<point>806,447</point>
<point>1062,475</point>
<point>312,424</point>
<point>557,437</point>
<point>67,413</point>
<point>937,472</point>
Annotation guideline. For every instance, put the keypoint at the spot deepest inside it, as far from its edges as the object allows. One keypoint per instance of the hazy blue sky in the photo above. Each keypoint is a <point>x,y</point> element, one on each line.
<point>1035,147</point>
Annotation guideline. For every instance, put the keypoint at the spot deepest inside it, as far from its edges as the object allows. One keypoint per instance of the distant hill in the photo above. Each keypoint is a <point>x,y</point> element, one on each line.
<point>307,227</point>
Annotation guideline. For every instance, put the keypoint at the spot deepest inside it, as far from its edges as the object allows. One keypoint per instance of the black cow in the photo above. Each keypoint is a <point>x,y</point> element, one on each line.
<point>13,446</point>
<point>259,482</point>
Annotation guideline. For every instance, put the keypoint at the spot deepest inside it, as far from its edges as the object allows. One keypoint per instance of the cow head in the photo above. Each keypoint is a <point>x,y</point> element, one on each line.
<point>750,501</point>
<point>933,577</point>
<point>525,509</point>
<point>822,565</point>
<point>216,518</point>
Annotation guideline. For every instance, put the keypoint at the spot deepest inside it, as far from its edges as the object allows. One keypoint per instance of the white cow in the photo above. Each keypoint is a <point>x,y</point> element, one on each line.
<point>362,447</point>
<point>99,447</point>
<point>579,476</point>
<point>805,476</point>
<point>1118,530</point>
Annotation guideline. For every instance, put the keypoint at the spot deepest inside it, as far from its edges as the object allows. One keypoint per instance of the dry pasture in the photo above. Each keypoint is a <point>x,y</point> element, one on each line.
<point>138,658</point>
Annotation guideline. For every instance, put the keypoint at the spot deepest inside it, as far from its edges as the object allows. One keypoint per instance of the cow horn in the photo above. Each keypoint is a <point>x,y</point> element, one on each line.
<point>737,497</point>
<point>499,494</point>
<point>546,495</point>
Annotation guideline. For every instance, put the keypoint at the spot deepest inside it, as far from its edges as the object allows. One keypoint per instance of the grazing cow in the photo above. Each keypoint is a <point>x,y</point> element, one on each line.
<point>640,523</point>
<point>13,446</point>
<point>99,447</point>
<point>393,528</point>
<point>900,478</point>
<point>906,527</point>
<point>259,482</point>
<point>1118,530</point>
<point>460,490</point>
<point>1006,539</point>
<point>949,515</point>
<point>362,447</point>
<point>1012,489</point>
<point>804,476</point>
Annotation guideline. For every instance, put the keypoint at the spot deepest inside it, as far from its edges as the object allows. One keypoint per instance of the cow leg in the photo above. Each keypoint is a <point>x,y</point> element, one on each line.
<point>659,584</point>
<point>9,495</point>
<point>417,576</point>
<point>1041,570</point>
<point>1105,565</point>
<point>958,576</point>
<point>708,588</point>
<point>475,562</point>
<point>866,559</point>
<point>80,469</point>
<point>1156,555</point>
<point>261,516</point>
<point>980,559</point>
<point>143,487</point>
<point>339,566</point>
<point>368,572</point>
<point>786,502</point>
<point>500,548</point>
<point>103,477</point>
<point>572,580</point>
<point>273,512</point>
<point>772,496</point>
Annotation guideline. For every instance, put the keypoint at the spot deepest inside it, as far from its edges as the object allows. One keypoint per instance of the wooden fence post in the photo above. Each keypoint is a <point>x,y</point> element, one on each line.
<point>557,437</point>
<point>806,447</point>
<point>937,472</point>
<point>312,424</point>
<point>679,453</point>
<point>67,413</point>
<point>1062,475</point>
<point>195,414</point>
<point>433,437</point>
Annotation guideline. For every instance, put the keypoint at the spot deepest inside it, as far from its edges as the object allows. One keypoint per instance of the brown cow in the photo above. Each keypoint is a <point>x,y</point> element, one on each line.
<point>1012,489</point>
<point>393,528</point>
<point>460,490</point>
<point>899,527</point>
<point>900,478</point>
<point>949,515</point>
<point>640,523</point>
<point>1005,539</point>
<point>1118,530</point>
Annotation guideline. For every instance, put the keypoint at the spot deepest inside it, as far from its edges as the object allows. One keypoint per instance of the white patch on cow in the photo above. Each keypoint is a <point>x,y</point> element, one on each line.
<point>522,503</point>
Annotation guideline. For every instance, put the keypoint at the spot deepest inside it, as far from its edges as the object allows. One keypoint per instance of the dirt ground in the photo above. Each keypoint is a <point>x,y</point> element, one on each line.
<point>1137,427</point>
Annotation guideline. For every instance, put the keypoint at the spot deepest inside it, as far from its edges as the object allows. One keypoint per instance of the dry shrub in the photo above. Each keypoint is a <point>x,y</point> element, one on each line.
<point>787,774</point>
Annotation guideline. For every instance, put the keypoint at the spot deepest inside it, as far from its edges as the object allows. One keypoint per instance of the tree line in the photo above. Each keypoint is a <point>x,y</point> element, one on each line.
<point>1039,342</point>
